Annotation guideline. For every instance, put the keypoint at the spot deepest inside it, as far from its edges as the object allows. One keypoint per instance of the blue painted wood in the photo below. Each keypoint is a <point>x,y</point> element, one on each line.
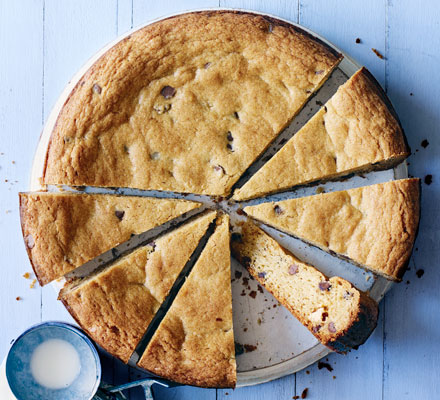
<point>62,35</point>
<point>412,329</point>
<point>21,49</point>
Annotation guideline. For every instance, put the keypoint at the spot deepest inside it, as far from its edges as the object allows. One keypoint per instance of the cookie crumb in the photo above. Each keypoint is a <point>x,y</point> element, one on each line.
<point>322,365</point>
<point>304,393</point>
<point>358,40</point>
<point>18,298</point>
<point>377,52</point>
<point>249,348</point>
<point>424,143</point>
<point>32,285</point>
<point>26,275</point>
<point>428,179</point>
<point>334,377</point>
<point>420,273</point>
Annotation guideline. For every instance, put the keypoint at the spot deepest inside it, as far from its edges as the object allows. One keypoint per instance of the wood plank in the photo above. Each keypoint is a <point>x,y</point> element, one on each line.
<point>281,8</point>
<point>342,25</point>
<point>412,349</point>
<point>144,11</point>
<point>283,388</point>
<point>21,71</point>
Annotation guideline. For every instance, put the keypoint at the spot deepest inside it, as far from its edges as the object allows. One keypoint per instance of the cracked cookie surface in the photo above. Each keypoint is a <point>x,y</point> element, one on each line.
<point>355,131</point>
<point>115,306</point>
<point>373,226</point>
<point>186,104</point>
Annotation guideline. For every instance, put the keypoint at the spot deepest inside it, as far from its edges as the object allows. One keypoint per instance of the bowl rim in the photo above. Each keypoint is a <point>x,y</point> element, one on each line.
<point>68,327</point>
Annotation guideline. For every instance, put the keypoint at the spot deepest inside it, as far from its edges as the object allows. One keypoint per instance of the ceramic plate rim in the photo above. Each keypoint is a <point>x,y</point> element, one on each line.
<point>348,65</point>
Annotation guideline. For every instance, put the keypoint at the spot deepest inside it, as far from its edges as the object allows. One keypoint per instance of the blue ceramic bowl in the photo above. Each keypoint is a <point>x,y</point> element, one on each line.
<point>18,371</point>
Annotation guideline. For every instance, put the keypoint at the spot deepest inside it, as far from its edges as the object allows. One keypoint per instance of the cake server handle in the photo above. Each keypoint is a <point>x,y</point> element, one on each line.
<point>109,392</point>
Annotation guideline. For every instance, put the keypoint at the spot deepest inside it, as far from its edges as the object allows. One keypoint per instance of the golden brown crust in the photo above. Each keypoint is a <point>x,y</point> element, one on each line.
<point>63,231</point>
<point>227,72</point>
<point>339,315</point>
<point>194,343</point>
<point>356,131</point>
<point>116,306</point>
<point>374,226</point>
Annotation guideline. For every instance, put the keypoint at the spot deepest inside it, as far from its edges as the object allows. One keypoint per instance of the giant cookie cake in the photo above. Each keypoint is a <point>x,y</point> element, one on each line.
<point>185,106</point>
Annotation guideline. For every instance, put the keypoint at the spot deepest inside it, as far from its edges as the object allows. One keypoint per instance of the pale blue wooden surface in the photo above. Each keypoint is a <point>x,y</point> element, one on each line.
<point>43,43</point>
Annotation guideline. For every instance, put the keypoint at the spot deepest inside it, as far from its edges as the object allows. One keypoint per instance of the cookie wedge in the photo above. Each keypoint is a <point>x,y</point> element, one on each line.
<point>186,104</point>
<point>116,305</point>
<point>194,343</point>
<point>340,316</point>
<point>372,226</point>
<point>356,131</point>
<point>63,230</point>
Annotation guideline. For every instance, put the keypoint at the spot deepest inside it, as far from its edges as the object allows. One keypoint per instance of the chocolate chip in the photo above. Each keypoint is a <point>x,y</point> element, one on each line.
<point>219,168</point>
<point>358,40</point>
<point>236,237</point>
<point>219,319</point>
<point>278,210</point>
<point>293,269</point>
<point>324,285</point>
<point>30,243</point>
<point>97,89</point>
<point>420,273</point>
<point>316,328</point>
<point>240,211</point>
<point>207,65</point>
<point>168,92</point>
<point>126,149</point>
<point>120,214</point>
<point>229,147</point>
<point>262,275</point>
<point>428,179</point>
<point>332,327</point>
<point>236,115</point>
<point>319,72</point>
<point>424,143</point>
<point>324,316</point>
<point>238,274</point>
<point>253,294</point>
<point>229,136</point>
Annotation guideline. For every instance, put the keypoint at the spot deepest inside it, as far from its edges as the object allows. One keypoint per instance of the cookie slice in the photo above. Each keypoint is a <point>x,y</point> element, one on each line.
<point>194,343</point>
<point>63,230</point>
<point>373,226</point>
<point>186,104</point>
<point>356,131</point>
<point>340,316</point>
<point>116,305</point>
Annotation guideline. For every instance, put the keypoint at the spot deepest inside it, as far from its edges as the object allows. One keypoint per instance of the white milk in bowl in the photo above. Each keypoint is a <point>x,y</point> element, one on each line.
<point>55,364</point>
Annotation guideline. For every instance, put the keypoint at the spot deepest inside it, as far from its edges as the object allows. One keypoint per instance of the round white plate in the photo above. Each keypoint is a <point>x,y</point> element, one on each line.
<point>275,343</point>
